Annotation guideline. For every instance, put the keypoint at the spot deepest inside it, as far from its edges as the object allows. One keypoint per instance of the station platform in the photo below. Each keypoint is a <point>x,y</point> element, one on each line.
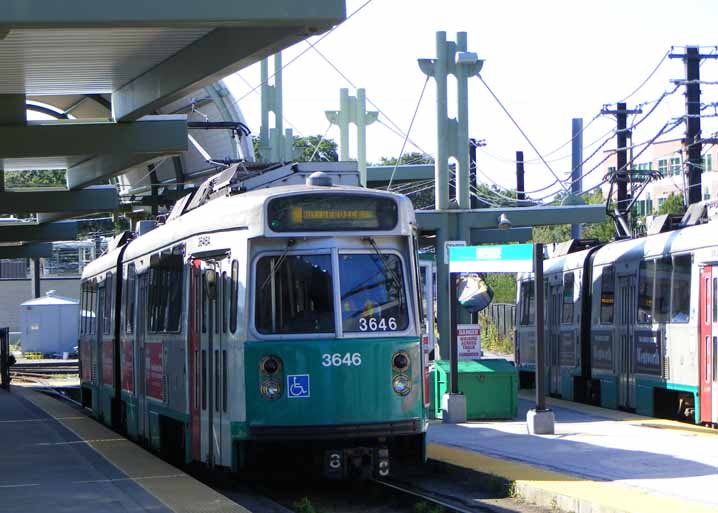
<point>55,458</point>
<point>598,460</point>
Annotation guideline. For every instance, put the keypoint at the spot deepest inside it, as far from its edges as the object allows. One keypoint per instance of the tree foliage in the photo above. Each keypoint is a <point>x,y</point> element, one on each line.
<point>672,205</point>
<point>35,178</point>
<point>308,151</point>
<point>603,231</point>
<point>305,149</point>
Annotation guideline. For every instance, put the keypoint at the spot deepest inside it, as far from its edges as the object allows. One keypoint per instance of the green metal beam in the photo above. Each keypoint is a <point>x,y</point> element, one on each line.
<point>90,200</point>
<point>380,175</point>
<point>209,59</point>
<point>34,250</point>
<point>315,14</point>
<point>100,168</point>
<point>432,220</point>
<point>494,236</point>
<point>48,139</point>
<point>64,230</point>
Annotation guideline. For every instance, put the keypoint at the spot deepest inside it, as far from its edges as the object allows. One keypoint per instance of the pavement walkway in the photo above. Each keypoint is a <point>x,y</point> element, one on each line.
<point>619,461</point>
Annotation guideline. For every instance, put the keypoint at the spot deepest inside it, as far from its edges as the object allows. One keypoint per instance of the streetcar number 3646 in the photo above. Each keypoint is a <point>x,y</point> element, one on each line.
<point>338,359</point>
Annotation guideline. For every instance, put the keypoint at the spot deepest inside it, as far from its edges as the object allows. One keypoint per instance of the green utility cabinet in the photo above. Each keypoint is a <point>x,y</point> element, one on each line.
<point>490,387</point>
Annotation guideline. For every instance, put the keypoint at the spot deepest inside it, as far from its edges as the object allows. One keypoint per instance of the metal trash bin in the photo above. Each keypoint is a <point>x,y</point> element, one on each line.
<point>490,387</point>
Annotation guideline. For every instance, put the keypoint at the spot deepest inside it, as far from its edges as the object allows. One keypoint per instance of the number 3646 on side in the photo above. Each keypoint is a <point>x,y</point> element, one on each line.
<point>338,359</point>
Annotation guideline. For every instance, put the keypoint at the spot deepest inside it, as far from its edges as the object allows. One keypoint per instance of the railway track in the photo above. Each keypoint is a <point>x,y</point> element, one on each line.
<point>442,503</point>
<point>44,369</point>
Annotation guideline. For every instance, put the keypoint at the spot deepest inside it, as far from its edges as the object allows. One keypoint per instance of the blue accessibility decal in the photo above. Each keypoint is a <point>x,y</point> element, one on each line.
<point>297,385</point>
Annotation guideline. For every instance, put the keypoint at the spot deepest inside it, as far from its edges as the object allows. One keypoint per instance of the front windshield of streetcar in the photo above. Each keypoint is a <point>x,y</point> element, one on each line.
<point>294,294</point>
<point>372,293</point>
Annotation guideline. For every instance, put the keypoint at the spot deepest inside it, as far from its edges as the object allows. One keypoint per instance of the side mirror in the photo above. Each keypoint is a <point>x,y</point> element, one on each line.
<point>210,277</point>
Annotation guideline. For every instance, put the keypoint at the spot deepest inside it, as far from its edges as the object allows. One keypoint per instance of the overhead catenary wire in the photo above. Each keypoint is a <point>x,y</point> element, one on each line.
<point>411,124</point>
<point>522,132</point>
<point>368,99</point>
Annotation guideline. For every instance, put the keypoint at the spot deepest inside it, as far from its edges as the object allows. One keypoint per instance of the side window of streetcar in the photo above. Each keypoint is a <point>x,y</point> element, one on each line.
<point>83,307</point>
<point>608,287</point>
<point>225,300</point>
<point>233,297</point>
<point>130,299</point>
<point>567,314</point>
<point>107,307</point>
<point>714,301</point>
<point>528,303</point>
<point>662,292</point>
<point>681,289</point>
<point>646,275</point>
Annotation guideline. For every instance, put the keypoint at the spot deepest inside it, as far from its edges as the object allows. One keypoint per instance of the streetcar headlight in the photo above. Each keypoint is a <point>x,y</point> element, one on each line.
<point>271,390</point>
<point>400,361</point>
<point>270,364</point>
<point>401,384</point>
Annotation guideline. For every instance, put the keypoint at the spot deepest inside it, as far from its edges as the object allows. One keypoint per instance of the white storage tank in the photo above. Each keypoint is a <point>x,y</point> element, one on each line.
<point>50,324</point>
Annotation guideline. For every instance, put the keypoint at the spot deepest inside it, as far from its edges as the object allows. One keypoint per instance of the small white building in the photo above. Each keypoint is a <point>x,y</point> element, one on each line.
<point>49,324</point>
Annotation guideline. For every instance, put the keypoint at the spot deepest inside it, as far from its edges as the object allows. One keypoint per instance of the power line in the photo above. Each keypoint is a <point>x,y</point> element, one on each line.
<point>321,38</point>
<point>650,75</point>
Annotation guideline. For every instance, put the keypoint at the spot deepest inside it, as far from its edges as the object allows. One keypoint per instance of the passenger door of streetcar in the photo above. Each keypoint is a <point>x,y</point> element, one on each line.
<point>553,328</point>
<point>625,325</point>
<point>212,364</point>
<point>709,344</point>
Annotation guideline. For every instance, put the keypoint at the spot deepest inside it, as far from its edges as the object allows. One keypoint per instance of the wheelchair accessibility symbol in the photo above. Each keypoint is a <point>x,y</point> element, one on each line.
<point>297,385</point>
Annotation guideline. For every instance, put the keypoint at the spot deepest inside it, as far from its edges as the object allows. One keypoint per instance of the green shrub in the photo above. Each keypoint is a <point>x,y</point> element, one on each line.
<point>491,340</point>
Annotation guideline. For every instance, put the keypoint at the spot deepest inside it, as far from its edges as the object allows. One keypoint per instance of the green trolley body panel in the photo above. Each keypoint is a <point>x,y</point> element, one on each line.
<point>325,383</point>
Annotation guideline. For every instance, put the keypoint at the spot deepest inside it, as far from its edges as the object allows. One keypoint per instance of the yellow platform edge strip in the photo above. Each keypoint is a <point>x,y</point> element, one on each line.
<point>176,490</point>
<point>565,488</point>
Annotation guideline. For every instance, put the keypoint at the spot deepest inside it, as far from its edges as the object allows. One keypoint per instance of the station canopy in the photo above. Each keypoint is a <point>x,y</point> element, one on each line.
<point>119,85</point>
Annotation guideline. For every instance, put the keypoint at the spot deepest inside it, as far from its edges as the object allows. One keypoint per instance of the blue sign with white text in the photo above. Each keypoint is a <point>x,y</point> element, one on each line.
<point>297,385</point>
<point>506,258</point>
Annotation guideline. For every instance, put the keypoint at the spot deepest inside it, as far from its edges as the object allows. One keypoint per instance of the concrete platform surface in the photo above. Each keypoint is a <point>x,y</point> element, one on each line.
<point>56,459</point>
<point>597,460</point>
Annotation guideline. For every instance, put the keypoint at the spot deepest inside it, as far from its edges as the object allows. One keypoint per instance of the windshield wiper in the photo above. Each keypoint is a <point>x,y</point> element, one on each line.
<point>278,264</point>
<point>394,277</point>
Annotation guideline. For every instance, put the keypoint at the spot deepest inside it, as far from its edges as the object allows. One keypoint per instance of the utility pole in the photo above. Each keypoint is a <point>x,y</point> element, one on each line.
<point>621,176</point>
<point>692,143</point>
<point>473,144</point>
<point>520,188</point>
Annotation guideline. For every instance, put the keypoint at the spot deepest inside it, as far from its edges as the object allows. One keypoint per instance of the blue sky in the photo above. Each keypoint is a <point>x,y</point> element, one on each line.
<point>547,61</point>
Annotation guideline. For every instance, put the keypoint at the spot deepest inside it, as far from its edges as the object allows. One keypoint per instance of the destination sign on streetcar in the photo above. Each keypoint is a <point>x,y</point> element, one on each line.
<point>331,212</point>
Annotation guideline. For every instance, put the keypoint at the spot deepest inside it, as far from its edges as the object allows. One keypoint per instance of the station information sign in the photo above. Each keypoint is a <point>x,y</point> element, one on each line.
<point>504,258</point>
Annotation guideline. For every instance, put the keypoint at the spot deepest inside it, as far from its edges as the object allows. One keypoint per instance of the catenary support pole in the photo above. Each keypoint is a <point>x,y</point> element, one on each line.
<point>454,357</point>
<point>576,166</point>
<point>540,359</point>
<point>540,420</point>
